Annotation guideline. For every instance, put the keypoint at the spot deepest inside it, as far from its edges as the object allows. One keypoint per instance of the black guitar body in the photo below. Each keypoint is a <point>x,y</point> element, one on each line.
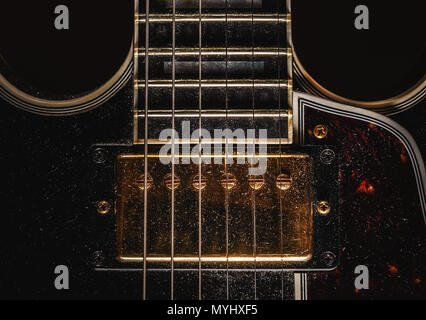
<point>53,176</point>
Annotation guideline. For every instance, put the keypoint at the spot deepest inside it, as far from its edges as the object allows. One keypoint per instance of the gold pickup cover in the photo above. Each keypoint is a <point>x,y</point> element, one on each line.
<point>241,218</point>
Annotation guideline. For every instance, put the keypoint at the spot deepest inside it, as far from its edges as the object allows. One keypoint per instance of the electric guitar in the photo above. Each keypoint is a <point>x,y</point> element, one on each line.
<point>212,149</point>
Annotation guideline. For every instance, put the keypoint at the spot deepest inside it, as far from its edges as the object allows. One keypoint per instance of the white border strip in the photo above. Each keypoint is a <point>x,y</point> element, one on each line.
<point>302,100</point>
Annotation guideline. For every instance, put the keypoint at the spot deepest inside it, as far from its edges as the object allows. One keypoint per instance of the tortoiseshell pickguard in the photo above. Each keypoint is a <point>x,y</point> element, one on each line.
<point>381,222</point>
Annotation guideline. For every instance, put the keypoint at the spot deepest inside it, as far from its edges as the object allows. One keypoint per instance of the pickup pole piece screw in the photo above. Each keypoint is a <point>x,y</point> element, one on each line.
<point>196,183</point>
<point>256,182</point>
<point>284,182</point>
<point>228,181</point>
<point>171,183</point>
<point>140,182</point>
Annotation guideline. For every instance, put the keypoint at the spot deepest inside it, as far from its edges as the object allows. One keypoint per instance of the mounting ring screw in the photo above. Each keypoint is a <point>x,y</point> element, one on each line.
<point>327,156</point>
<point>103,207</point>
<point>97,259</point>
<point>99,156</point>
<point>320,131</point>
<point>323,208</point>
<point>328,259</point>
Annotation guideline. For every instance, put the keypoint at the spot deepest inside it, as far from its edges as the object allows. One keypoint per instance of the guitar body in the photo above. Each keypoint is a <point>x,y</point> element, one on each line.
<point>381,224</point>
<point>59,161</point>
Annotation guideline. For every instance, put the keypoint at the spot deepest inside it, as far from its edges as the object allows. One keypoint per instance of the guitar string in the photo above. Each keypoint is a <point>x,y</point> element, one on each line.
<point>199,150</point>
<point>254,150</point>
<point>145,193</point>
<point>172,249</point>
<point>290,101</point>
<point>226,153</point>
<point>280,152</point>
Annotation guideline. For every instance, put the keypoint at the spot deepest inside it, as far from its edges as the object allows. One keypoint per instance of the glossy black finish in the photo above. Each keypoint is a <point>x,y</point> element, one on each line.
<point>44,190</point>
<point>47,216</point>
<point>366,65</point>
<point>59,64</point>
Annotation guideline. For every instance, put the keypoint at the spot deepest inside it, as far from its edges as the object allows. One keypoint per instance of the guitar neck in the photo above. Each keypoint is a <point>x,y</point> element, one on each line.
<point>226,63</point>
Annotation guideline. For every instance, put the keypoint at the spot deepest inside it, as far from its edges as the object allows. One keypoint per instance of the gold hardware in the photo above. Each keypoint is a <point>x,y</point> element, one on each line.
<point>196,183</point>
<point>228,181</point>
<point>140,182</point>
<point>284,182</point>
<point>103,207</point>
<point>170,183</point>
<point>256,182</point>
<point>323,208</point>
<point>290,243</point>
<point>320,131</point>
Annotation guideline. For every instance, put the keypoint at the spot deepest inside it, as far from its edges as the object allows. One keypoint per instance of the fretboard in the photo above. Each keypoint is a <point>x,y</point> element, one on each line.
<point>225,62</point>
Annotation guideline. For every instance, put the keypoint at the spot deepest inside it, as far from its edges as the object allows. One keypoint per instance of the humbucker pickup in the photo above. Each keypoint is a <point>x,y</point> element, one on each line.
<point>273,220</point>
<point>267,218</point>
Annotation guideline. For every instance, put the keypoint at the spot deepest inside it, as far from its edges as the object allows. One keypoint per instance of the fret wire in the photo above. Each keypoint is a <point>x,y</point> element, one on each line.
<point>226,154</point>
<point>173,150</point>
<point>135,74</point>
<point>225,83</point>
<point>145,195</point>
<point>199,151</point>
<point>263,18</point>
<point>216,52</point>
